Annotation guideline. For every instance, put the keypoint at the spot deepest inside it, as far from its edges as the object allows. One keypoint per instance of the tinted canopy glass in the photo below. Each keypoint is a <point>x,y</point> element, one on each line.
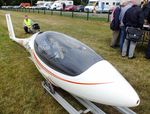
<point>64,54</point>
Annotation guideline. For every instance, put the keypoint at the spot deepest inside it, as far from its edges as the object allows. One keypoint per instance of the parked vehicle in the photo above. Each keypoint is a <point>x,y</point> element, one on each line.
<point>44,4</point>
<point>25,5</point>
<point>6,7</point>
<point>79,8</point>
<point>47,5</point>
<point>106,5</point>
<point>16,7</point>
<point>58,5</point>
<point>101,5</point>
<point>90,6</point>
<point>70,8</point>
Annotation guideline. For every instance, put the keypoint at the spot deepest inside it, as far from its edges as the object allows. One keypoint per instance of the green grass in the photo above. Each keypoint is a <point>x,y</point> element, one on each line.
<point>20,82</point>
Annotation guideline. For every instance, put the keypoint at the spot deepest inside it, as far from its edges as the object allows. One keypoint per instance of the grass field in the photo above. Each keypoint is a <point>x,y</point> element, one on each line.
<point>20,82</point>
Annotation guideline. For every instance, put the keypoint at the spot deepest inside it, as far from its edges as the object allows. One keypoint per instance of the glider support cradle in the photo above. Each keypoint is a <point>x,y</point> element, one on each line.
<point>90,106</point>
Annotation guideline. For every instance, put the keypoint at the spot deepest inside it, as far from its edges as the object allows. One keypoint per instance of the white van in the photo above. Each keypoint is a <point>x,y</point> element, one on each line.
<point>101,5</point>
<point>58,5</point>
<point>90,6</point>
<point>44,4</point>
<point>48,5</point>
<point>106,5</point>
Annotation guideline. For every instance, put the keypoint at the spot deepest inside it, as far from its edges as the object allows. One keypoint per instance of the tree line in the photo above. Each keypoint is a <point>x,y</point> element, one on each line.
<point>33,2</point>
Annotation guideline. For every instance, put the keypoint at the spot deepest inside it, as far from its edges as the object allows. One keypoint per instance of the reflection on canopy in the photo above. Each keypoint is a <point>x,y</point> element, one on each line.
<point>64,54</point>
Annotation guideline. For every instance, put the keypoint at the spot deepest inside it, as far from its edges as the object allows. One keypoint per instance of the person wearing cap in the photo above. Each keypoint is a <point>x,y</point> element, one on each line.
<point>125,5</point>
<point>134,19</point>
<point>27,24</point>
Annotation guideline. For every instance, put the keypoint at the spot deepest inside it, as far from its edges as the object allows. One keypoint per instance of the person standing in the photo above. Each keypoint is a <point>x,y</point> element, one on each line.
<point>125,5</point>
<point>102,7</point>
<point>27,24</point>
<point>114,26</point>
<point>63,5</point>
<point>134,19</point>
<point>147,54</point>
<point>146,11</point>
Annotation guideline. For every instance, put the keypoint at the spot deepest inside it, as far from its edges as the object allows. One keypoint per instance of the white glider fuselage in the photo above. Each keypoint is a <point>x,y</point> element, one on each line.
<point>100,82</point>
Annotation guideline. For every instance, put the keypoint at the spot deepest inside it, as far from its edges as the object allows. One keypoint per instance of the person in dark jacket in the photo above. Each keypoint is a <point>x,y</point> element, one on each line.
<point>115,27</point>
<point>146,11</point>
<point>147,54</point>
<point>133,18</point>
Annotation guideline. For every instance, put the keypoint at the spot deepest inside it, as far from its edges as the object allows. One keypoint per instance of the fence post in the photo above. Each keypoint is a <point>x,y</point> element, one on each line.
<point>44,10</point>
<point>38,10</point>
<point>72,13</point>
<point>108,19</point>
<point>61,12</point>
<point>52,12</point>
<point>87,15</point>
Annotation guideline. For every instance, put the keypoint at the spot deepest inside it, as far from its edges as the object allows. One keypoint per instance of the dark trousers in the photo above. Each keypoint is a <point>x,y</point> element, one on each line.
<point>148,50</point>
<point>26,29</point>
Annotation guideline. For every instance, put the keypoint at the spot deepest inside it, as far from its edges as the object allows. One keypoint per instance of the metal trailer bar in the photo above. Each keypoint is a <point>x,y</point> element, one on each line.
<point>97,110</point>
<point>124,110</point>
<point>91,107</point>
<point>61,101</point>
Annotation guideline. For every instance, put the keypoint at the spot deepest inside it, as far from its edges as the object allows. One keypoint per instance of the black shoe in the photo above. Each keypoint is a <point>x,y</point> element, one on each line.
<point>147,57</point>
<point>114,47</point>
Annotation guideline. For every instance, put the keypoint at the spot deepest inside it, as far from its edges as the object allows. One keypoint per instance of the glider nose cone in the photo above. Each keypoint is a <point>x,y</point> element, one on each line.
<point>118,92</point>
<point>126,95</point>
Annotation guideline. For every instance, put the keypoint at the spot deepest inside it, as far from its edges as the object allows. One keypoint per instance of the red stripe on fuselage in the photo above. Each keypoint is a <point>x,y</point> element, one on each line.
<point>52,74</point>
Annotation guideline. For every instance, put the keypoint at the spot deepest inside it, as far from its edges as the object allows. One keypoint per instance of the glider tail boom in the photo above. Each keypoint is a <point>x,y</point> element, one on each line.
<point>10,27</point>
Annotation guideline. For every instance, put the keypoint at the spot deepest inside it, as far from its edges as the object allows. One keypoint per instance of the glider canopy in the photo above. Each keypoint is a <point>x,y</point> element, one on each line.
<point>64,54</point>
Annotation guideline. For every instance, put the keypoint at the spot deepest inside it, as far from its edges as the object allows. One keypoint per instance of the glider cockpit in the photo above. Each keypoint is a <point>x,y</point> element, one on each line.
<point>64,54</point>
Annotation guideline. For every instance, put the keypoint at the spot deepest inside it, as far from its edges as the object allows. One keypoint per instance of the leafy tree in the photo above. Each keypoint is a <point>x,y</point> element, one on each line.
<point>1,2</point>
<point>82,2</point>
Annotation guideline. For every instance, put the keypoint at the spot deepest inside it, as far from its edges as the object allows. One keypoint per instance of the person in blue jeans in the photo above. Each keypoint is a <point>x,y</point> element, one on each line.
<point>122,36</point>
<point>125,5</point>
